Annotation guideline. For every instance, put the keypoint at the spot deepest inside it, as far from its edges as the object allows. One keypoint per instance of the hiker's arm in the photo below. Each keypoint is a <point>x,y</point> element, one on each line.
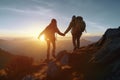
<point>60,33</point>
<point>68,29</point>
<point>41,34</point>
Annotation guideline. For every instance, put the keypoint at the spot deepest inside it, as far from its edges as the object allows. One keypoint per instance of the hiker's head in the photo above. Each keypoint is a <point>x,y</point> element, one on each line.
<point>53,21</point>
<point>73,17</point>
<point>79,18</point>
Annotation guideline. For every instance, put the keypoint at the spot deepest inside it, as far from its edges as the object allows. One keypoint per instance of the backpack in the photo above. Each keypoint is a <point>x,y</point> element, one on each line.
<point>83,26</point>
<point>80,26</point>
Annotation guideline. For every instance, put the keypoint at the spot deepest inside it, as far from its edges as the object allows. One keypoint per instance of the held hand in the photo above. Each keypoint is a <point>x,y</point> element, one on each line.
<point>63,34</point>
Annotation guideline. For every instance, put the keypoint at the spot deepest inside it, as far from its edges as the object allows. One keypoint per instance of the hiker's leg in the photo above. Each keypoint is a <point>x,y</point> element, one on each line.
<point>74,41</point>
<point>48,49</point>
<point>78,40</point>
<point>78,43</point>
<point>54,48</point>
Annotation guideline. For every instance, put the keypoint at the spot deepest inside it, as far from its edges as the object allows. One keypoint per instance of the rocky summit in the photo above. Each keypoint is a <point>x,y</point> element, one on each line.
<point>97,61</point>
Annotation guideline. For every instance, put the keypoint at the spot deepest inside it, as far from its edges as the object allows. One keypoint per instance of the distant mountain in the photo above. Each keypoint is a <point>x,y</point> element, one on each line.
<point>36,48</point>
<point>14,66</point>
<point>4,57</point>
<point>85,42</point>
<point>92,38</point>
<point>2,41</point>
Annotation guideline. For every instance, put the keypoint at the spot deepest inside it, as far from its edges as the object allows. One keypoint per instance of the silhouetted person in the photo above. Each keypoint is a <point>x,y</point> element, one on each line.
<point>77,26</point>
<point>49,33</point>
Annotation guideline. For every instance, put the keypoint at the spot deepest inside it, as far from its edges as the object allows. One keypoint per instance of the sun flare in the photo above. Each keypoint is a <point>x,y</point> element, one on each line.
<point>42,38</point>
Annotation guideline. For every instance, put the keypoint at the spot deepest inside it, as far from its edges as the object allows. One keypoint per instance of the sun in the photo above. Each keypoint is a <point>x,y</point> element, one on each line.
<point>42,38</point>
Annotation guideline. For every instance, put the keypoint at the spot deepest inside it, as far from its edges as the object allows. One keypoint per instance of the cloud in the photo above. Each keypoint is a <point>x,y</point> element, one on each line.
<point>96,25</point>
<point>38,11</point>
<point>44,3</point>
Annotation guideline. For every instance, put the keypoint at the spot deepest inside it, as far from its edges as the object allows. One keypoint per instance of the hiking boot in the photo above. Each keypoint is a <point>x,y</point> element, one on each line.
<point>46,60</point>
<point>53,55</point>
<point>74,48</point>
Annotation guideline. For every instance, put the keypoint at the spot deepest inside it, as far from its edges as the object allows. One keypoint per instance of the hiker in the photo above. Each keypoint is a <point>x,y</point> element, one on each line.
<point>77,26</point>
<point>49,33</point>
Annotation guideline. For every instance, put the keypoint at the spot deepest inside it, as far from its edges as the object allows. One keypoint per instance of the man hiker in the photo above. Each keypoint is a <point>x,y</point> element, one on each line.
<point>77,26</point>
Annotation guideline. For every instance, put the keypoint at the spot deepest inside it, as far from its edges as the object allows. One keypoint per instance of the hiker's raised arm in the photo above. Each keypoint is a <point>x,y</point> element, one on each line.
<point>40,34</point>
<point>69,28</point>
<point>72,24</point>
<point>60,33</point>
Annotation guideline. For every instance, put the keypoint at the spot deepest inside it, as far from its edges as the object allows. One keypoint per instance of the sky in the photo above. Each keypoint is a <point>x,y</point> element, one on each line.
<point>30,17</point>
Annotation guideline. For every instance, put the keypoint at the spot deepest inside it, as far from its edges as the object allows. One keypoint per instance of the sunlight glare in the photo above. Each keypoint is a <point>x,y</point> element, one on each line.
<point>42,38</point>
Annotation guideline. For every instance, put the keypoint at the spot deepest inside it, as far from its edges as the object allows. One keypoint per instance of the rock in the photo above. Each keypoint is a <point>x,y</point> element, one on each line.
<point>59,68</point>
<point>110,45</point>
<point>28,77</point>
<point>53,71</point>
<point>63,57</point>
<point>108,54</point>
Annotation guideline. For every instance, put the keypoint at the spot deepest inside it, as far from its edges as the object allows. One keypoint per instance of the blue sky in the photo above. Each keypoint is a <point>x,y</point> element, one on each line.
<point>30,17</point>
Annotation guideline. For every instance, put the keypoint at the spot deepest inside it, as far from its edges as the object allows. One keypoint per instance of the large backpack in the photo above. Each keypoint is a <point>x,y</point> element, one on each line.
<point>83,26</point>
<point>79,27</point>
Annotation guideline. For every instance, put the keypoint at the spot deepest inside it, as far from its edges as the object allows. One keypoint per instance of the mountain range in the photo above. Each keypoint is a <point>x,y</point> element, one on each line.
<point>36,48</point>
